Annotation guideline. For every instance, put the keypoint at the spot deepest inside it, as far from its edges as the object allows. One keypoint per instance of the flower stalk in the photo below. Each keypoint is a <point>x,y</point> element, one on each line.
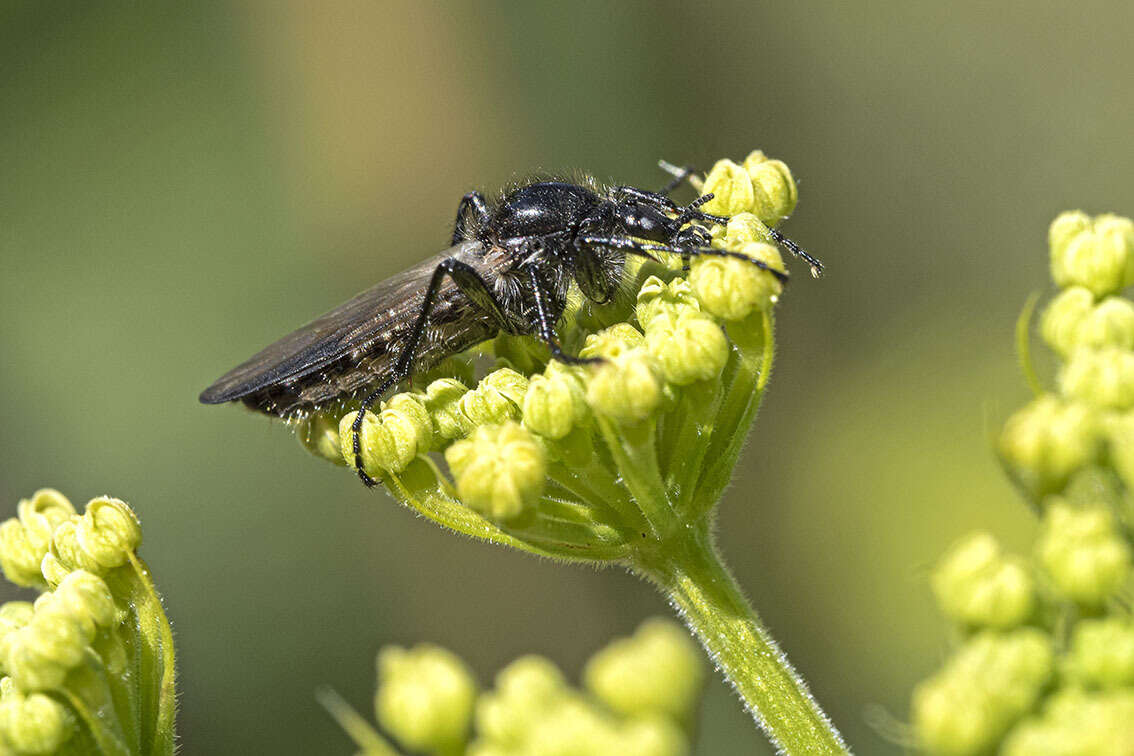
<point>624,461</point>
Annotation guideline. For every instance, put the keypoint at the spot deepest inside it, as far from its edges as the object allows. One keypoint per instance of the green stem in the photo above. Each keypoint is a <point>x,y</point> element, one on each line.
<point>689,571</point>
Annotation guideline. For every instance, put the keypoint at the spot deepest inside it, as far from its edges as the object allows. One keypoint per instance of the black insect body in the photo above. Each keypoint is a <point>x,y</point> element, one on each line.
<point>509,270</point>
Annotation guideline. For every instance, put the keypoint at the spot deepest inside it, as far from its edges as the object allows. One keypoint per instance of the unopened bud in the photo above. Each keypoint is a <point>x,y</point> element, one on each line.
<point>500,470</point>
<point>32,723</point>
<point>775,192</point>
<point>731,187</point>
<point>425,698</point>
<point>41,653</point>
<point>25,539</point>
<point>318,432</point>
<point>442,399</point>
<point>1100,377</point>
<point>108,531</point>
<point>498,397</point>
<point>1064,317</point>
<point>1098,256</point>
<point>1079,722</point>
<point>86,598</point>
<point>390,440</point>
<point>731,288</point>
<point>13,616</point>
<point>1046,441</point>
<point>689,349</point>
<point>981,691</point>
<point>742,229</point>
<point>555,402</point>
<point>657,299</point>
<point>525,689</point>
<point>1101,653</point>
<point>977,585</point>
<point>611,342</point>
<point>625,388</point>
<point>1083,551</point>
<point>658,670</point>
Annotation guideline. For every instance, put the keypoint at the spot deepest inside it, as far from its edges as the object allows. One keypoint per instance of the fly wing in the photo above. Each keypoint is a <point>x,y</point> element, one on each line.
<point>354,328</point>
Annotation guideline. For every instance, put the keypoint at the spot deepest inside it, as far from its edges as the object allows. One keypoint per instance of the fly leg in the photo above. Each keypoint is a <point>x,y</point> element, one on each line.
<point>643,249</point>
<point>546,325</point>
<point>471,202</point>
<point>472,285</point>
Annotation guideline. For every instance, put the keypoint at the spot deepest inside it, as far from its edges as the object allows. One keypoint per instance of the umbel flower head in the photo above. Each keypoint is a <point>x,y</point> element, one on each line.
<point>88,666</point>
<point>639,699</point>
<point>578,461</point>
<point>621,459</point>
<point>1046,660</point>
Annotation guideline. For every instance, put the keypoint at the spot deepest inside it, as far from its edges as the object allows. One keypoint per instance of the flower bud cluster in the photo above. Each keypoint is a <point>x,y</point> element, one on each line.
<point>760,185</point>
<point>1011,687</point>
<point>506,436</point>
<point>68,659</point>
<point>640,697</point>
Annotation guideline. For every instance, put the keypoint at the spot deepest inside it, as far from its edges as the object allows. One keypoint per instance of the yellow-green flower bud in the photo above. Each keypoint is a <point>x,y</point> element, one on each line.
<point>390,440</point>
<point>41,653</point>
<point>1099,257</point>
<point>13,616</point>
<point>981,691</point>
<point>86,598</point>
<point>1100,377</point>
<point>53,569</point>
<point>625,388</point>
<point>573,726</point>
<point>775,192</point>
<point>555,402</point>
<point>1109,324</point>
<point>318,432</point>
<point>1047,440</point>
<point>1064,317</point>
<point>32,723</point>
<point>691,348</point>
<point>657,299</point>
<point>497,398</point>
<point>25,539</point>
<point>500,470</point>
<point>1077,723</point>
<point>731,288</point>
<point>1102,653</point>
<point>658,670</point>
<point>108,531</point>
<point>977,585</point>
<point>442,399</point>
<point>525,689</point>
<point>731,187</point>
<point>67,552</point>
<point>1066,226</point>
<point>742,229</point>
<point>652,736</point>
<point>1083,552</point>
<point>612,342</point>
<point>425,698</point>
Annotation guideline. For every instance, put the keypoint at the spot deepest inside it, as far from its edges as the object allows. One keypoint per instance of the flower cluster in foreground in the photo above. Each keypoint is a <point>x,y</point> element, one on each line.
<point>1046,661</point>
<point>88,666</point>
<point>622,461</point>
<point>638,699</point>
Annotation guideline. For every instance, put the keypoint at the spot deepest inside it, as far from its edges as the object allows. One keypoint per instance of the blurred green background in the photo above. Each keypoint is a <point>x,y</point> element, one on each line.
<point>180,184</point>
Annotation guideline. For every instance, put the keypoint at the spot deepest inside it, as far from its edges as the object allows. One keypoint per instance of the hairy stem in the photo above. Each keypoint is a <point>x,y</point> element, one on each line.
<point>689,571</point>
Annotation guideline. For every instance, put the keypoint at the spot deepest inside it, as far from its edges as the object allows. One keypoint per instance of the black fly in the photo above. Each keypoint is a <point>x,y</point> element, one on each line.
<point>509,270</point>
